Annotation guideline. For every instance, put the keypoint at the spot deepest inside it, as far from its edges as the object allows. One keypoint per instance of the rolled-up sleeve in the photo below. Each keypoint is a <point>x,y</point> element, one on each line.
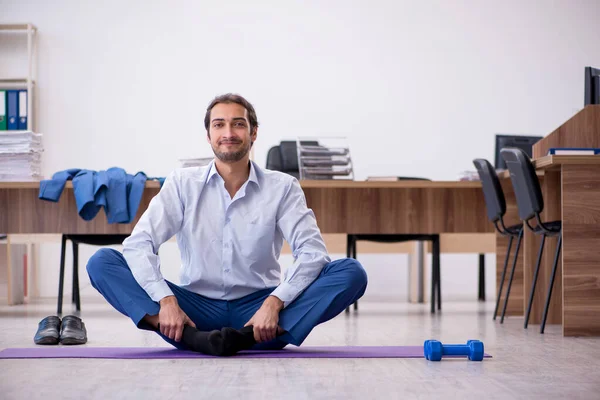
<point>162,219</point>
<point>299,228</point>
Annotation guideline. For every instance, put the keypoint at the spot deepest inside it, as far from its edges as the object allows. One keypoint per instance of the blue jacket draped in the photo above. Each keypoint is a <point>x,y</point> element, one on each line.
<point>115,190</point>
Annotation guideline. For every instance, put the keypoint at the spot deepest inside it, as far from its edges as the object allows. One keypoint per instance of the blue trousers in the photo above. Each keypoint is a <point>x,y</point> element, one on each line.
<point>341,283</point>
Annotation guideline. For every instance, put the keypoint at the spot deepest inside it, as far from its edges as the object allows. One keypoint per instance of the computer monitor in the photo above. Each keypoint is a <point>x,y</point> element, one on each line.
<point>524,143</point>
<point>592,86</point>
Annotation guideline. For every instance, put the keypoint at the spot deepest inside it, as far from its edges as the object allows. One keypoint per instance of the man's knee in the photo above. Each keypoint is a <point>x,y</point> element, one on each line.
<point>99,261</point>
<point>357,276</point>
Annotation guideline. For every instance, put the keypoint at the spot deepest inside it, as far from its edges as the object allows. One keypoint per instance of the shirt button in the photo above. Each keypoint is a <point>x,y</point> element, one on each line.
<point>227,220</point>
<point>227,270</point>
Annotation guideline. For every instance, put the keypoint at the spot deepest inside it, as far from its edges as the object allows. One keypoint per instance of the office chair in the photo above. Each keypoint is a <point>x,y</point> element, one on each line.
<point>495,204</point>
<point>284,157</point>
<point>76,240</point>
<point>530,204</point>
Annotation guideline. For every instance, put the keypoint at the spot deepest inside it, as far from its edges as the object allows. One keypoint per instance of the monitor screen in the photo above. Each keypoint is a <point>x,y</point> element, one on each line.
<point>592,86</point>
<point>524,143</point>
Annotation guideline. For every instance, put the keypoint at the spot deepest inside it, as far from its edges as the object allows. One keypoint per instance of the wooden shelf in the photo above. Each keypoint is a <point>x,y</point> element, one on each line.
<point>17,82</point>
<point>28,82</point>
<point>17,27</point>
<point>554,162</point>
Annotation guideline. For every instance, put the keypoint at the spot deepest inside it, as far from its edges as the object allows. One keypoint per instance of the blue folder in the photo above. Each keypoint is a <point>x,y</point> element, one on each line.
<point>12,109</point>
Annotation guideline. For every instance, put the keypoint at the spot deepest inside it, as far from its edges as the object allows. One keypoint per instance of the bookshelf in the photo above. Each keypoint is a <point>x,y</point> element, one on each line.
<point>20,260</point>
<point>27,81</point>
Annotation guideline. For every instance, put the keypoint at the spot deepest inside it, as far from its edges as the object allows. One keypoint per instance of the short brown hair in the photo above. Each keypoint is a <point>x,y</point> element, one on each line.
<point>232,98</point>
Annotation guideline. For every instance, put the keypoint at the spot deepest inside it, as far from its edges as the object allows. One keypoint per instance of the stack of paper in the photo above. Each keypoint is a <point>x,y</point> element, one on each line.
<point>20,156</point>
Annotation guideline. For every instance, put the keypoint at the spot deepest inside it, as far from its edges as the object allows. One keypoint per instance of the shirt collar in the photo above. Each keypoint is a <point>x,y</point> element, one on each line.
<point>252,177</point>
<point>212,171</point>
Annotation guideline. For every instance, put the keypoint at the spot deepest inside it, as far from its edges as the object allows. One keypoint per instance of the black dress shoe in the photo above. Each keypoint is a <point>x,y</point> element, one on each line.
<point>72,330</point>
<point>47,332</point>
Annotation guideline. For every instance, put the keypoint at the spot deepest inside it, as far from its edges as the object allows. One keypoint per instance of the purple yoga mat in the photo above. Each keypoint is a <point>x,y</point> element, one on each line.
<point>170,353</point>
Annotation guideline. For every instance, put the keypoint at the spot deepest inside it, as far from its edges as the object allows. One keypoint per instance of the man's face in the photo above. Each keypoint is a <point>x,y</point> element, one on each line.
<point>229,132</point>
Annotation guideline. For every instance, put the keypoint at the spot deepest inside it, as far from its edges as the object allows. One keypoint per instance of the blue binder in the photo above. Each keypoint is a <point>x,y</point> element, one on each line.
<point>12,109</point>
<point>22,110</point>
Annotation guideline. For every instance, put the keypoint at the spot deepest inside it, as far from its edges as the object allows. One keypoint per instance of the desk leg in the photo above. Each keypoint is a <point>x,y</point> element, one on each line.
<point>35,257</point>
<point>416,262</point>
<point>31,278</point>
<point>580,253</point>
<point>9,273</point>
<point>14,263</point>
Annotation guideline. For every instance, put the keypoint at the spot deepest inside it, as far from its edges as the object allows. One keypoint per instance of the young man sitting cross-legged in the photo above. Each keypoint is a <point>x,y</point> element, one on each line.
<point>230,218</point>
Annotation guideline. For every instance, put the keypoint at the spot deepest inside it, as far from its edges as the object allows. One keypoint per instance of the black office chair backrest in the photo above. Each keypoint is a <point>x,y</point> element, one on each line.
<point>284,157</point>
<point>274,159</point>
<point>525,182</point>
<point>289,156</point>
<point>493,194</point>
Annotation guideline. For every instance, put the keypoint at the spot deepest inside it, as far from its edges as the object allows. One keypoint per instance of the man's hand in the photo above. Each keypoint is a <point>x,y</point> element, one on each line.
<point>172,318</point>
<point>266,319</point>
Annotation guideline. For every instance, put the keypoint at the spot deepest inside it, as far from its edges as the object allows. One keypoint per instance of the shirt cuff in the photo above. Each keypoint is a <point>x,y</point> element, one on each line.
<point>158,290</point>
<point>286,293</point>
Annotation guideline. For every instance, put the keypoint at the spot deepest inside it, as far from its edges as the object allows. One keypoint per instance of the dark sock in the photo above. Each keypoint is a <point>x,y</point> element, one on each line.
<point>226,342</point>
<point>210,343</point>
<point>236,340</point>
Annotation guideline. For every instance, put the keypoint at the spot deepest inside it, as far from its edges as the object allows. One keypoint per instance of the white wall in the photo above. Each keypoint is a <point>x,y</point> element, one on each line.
<point>419,88</point>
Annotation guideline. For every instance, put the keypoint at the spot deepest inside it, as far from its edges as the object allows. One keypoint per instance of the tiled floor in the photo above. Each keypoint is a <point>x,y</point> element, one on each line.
<point>525,364</point>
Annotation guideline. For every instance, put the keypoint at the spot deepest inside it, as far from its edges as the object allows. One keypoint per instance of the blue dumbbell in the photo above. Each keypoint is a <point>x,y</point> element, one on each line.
<point>434,350</point>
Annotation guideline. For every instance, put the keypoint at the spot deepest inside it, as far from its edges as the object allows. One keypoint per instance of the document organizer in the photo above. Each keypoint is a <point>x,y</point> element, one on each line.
<point>324,158</point>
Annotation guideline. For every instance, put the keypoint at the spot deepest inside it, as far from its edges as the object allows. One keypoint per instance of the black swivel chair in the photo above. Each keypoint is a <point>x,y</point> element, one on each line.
<point>496,209</point>
<point>531,204</point>
<point>76,240</point>
<point>284,157</point>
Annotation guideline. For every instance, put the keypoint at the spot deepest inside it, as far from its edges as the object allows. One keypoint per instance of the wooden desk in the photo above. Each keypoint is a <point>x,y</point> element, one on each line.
<point>549,170</point>
<point>397,207</point>
<point>572,185</point>
<point>341,207</point>
<point>571,191</point>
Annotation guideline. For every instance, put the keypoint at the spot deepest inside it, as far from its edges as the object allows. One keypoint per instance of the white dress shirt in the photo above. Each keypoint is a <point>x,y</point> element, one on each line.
<point>229,247</point>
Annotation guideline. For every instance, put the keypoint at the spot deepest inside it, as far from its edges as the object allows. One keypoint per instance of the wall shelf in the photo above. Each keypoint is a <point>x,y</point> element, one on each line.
<point>28,81</point>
